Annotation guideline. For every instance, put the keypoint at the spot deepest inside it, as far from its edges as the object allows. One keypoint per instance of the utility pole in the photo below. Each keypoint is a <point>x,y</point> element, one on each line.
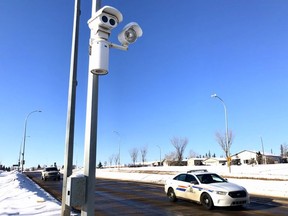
<point>102,21</point>
<point>70,124</point>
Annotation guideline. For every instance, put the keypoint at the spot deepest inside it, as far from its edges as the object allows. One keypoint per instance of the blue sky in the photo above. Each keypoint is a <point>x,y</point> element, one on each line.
<point>159,89</point>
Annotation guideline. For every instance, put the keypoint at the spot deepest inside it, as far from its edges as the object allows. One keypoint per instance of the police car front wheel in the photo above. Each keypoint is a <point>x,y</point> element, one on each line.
<point>207,201</point>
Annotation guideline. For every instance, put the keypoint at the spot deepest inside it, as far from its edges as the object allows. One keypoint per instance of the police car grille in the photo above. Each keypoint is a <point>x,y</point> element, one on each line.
<point>237,194</point>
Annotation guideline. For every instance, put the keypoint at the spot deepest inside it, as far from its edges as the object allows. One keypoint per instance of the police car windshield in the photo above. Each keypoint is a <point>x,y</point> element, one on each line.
<point>208,178</point>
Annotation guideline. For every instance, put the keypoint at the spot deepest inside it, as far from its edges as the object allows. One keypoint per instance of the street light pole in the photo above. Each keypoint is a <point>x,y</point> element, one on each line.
<point>264,157</point>
<point>116,132</point>
<point>226,134</point>
<point>160,154</point>
<point>24,138</point>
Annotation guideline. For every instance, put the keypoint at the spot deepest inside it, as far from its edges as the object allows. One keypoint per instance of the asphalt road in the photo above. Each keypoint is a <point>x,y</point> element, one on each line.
<point>133,198</point>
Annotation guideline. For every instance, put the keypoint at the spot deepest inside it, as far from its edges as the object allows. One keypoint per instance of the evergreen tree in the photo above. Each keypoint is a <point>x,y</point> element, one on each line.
<point>100,165</point>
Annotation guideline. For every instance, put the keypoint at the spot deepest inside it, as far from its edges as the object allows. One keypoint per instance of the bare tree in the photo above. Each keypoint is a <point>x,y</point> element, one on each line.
<point>221,139</point>
<point>143,152</point>
<point>180,146</point>
<point>170,158</point>
<point>134,155</point>
<point>116,159</point>
<point>192,154</point>
<point>111,159</point>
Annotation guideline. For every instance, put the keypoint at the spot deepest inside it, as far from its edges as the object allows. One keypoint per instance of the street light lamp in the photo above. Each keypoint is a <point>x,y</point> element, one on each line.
<point>226,125</point>
<point>24,137</point>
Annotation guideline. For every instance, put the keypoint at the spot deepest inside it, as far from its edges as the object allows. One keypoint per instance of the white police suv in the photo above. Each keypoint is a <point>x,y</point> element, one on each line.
<point>206,188</point>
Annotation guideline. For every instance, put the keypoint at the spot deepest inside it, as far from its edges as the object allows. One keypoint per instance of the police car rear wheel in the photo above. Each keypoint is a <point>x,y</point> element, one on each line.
<point>171,195</point>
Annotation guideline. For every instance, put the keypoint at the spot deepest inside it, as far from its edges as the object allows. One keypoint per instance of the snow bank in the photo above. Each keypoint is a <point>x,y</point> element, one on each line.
<point>20,196</point>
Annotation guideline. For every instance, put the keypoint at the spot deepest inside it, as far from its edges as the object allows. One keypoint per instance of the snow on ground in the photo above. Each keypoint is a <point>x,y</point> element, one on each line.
<point>20,196</point>
<point>267,180</point>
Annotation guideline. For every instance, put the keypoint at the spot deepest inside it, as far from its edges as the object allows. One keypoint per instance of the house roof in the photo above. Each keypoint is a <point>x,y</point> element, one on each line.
<point>214,159</point>
<point>197,159</point>
<point>254,152</point>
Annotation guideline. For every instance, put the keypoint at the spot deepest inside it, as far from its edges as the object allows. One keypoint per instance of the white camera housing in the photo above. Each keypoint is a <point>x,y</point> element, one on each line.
<point>105,19</point>
<point>130,33</point>
<point>101,23</point>
<point>99,57</point>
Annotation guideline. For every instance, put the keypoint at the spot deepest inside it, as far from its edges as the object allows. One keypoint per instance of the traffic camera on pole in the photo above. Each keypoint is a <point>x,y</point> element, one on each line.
<point>101,24</point>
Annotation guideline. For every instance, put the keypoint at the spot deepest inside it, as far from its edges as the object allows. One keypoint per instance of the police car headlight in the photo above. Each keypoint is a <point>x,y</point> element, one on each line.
<point>221,193</point>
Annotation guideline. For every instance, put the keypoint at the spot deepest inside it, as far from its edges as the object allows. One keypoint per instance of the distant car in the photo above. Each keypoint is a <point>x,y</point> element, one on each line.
<point>206,188</point>
<point>50,173</point>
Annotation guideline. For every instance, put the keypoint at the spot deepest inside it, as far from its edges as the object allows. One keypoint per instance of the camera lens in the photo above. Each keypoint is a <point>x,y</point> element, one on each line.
<point>105,19</point>
<point>112,22</point>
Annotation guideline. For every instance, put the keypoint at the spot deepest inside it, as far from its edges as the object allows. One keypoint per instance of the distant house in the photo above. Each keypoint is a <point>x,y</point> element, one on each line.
<point>249,157</point>
<point>156,163</point>
<point>195,161</point>
<point>174,163</point>
<point>214,161</point>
